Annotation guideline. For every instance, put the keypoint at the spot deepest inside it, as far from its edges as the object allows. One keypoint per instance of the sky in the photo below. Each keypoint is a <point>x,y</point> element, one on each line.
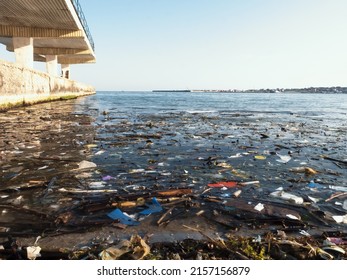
<point>215,44</point>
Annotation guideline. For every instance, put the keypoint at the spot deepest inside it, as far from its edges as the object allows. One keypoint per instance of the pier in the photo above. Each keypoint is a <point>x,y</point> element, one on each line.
<point>53,32</point>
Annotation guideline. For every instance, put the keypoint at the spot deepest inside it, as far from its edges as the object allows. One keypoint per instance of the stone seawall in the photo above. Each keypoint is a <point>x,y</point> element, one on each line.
<point>22,86</point>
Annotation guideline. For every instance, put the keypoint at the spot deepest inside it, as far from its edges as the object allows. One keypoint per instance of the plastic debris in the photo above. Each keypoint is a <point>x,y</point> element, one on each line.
<point>86,164</point>
<point>288,196</point>
<point>340,219</point>
<point>98,153</point>
<point>259,207</point>
<point>237,193</point>
<point>33,252</point>
<point>312,184</point>
<point>334,249</point>
<point>313,199</point>
<point>90,146</point>
<point>249,183</point>
<point>154,207</point>
<point>306,170</point>
<point>194,165</point>
<point>123,218</point>
<point>107,178</point>
<point>284,159</point>
<point>324,255</point>
<point>259,157</point>
<point>338,188</point>
<point>139,170</point>
<point>223,184</point>
<point>344,205</point>
<point>140,247</point>
<point>136,246</point>
<point>290,216</point>
<point>115,252</point>
<point>304,232</point>
<point>238,155</point>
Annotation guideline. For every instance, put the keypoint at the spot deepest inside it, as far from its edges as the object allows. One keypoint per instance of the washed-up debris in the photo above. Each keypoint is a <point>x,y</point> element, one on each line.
<point>304,232</point>
<point>135,248</point>
<point>68,171</point>
<point>33,252</point>
<point>154,207</point>
<point>123,218</point>
<point>115,252</point>
<point>174,192</point>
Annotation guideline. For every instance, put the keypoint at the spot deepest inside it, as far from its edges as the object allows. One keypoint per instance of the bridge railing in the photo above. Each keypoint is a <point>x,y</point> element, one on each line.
<point>83,20</point>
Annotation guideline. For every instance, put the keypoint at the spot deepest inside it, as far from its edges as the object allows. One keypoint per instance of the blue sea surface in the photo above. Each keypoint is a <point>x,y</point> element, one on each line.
<point>160,102</point>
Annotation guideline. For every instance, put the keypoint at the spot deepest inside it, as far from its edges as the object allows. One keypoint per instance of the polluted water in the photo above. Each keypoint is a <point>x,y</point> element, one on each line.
<point>123,175</point>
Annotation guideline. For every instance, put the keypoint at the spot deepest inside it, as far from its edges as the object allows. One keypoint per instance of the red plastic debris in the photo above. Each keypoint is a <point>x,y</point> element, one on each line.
<point>224,184</point>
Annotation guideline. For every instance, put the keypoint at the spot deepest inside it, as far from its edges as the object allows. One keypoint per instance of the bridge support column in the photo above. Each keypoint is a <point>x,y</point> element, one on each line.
<point>24,51</point>
<point>65,71</point>
<point>52,65</point>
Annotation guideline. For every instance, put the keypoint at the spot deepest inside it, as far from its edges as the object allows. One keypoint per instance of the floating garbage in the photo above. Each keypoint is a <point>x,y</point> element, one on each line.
<point>259,207</point>
<point>160,169</point>
<point>340,219</point>
<point>338,188</point>
<point>107,178</point>
<point>314,185</point>
<point>237,193</point>
<point>84,164</point>
<point>259,157</point>
<point>344,205</point>
<point>231,184</point>
<point>284,158</point>
<point>306,170</point>
<point>288,196</point>
<point>249,183</point>
<point>313,199</point>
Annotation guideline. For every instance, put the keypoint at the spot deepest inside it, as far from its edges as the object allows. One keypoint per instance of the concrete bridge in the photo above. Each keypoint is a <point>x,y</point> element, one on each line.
<point>51,31</point>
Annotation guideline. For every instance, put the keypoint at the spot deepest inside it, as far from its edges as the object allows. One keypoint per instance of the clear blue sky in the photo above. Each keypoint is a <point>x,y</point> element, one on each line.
<point>215,44</point>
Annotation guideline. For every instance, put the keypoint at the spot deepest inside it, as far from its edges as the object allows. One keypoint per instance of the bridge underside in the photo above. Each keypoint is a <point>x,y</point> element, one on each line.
<point>51,31</point>
<point>54,27</point>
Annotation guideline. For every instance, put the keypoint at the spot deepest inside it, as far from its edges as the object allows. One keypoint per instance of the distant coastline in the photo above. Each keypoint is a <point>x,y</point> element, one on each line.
<point>168,90</point>
<point>327,90</point>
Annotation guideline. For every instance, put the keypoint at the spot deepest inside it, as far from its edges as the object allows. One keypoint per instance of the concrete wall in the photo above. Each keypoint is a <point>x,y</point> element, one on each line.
<point>20,86</point>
